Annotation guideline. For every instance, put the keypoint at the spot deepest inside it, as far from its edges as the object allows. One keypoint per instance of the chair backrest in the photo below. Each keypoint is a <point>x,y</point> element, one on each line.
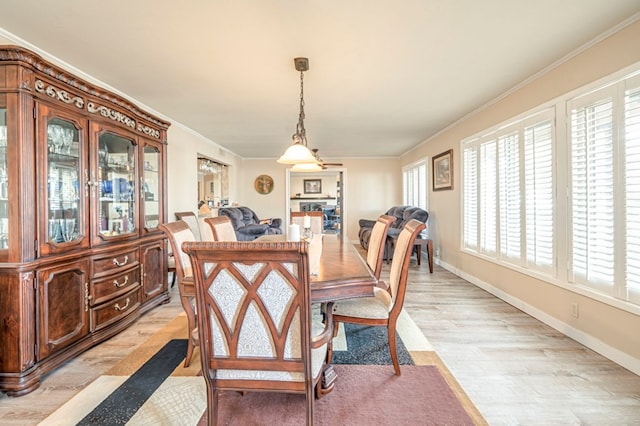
<point>256,333</point>
<point>316,219</point>
<point>178,232</point>
<point>377,243</point>
<point>221,228</point>
<point>400,263</point>
<point>206,233</point>
<point>190,219</point>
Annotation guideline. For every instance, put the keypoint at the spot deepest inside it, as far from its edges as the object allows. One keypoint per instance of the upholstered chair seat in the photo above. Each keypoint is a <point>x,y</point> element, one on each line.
<point>376,307</point>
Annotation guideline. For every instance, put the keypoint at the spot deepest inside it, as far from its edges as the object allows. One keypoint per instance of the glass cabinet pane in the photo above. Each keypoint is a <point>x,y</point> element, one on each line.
<point>117,189</point>
<point>63,182</point>
<point>151,188</point>
<point>4,182</point>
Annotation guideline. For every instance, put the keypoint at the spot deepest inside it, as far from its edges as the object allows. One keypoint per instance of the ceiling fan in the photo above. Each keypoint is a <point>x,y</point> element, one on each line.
<point>322,163</point>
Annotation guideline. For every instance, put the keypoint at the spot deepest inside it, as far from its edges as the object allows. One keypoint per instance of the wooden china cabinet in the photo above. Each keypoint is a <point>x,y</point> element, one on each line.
<point>82,192</point>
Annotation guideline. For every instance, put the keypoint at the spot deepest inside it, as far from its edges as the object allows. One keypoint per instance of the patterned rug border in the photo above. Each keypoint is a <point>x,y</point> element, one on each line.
<point>176,329</point>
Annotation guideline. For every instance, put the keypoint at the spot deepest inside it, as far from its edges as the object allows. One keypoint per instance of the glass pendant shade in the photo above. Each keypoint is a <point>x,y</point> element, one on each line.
<point>310,167</point>
<point>297,154</point>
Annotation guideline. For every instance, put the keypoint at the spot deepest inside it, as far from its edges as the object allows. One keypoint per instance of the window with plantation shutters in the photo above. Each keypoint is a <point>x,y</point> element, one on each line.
<point>605,189</point>
<point>414,178</point>
<point>561,186</point>
<point>508,206</point>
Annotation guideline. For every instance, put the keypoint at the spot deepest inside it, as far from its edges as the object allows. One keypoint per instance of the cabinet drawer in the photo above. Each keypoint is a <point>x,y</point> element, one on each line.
<point>110,312</point>
<point>116,261</point>
<point>114,285</point>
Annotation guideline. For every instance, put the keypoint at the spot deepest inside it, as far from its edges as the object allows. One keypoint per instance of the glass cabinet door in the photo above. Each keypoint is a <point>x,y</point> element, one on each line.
<point>65,221</point>
<point>151,186</point>
<point>4,182</point>
<point>116,180</point>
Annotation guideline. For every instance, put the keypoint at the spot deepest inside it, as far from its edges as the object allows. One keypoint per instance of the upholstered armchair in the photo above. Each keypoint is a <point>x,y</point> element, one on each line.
<point>248,226</point>
<point>403,215</point>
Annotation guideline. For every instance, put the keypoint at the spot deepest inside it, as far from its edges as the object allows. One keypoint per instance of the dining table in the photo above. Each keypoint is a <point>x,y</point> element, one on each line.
<point>342,274</point>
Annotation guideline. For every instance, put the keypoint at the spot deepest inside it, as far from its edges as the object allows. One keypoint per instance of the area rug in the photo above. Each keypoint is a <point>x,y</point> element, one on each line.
<point>151,387</point>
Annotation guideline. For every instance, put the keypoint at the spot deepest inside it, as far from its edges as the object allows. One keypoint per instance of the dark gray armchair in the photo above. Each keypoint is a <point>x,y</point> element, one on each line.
<point>403,214</point>
<point>247,225</point>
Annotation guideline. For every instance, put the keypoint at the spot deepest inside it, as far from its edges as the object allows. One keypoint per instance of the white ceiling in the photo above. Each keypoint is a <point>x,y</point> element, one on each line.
<point>384,75</point>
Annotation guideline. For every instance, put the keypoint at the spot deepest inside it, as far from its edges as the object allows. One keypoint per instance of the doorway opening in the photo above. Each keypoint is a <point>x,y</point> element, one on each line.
<point>319,191</point>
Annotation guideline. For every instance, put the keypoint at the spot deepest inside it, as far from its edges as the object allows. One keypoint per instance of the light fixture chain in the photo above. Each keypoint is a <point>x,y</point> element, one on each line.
<point>302,96</point>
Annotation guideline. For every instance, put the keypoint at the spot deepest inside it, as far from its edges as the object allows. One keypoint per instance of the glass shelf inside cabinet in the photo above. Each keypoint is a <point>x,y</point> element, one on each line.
<point>151,187</point>
<point>117,176</point>
<point>4,183</point>
<point>63,182</point>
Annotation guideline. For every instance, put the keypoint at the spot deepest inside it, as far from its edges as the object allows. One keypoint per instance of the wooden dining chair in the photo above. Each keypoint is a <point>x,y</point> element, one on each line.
<point>178,232</point>
<point>383,308</point>
<point>221,228</point>
<point>377,243</point>
<point>316,219</point>
<point>190,219</point>
<point>257,333</point>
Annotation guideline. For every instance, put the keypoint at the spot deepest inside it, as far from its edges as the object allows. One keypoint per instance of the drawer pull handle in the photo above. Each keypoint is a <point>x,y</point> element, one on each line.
<point>126,305</point>
<point>126,259</point>
<point>122,284</point>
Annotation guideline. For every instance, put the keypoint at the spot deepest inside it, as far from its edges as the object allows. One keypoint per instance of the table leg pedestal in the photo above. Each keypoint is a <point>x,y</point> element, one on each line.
<point>329,377</point>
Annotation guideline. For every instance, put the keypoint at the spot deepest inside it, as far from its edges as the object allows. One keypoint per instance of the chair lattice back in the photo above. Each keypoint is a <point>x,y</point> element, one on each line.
<point>253,300</point>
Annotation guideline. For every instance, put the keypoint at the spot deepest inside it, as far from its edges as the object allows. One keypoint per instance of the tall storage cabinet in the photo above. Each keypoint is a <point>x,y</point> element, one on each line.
<point>82,192</point>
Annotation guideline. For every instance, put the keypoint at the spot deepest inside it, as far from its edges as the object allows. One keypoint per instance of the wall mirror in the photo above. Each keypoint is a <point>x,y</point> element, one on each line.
<point>213,182</point>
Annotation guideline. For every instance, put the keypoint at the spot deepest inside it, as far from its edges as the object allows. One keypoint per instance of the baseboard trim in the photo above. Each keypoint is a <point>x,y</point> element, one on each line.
<point>619,357</point>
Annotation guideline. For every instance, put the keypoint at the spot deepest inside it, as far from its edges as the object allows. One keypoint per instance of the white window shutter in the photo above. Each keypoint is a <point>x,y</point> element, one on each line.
<point>592,204</point>
<point>470,198</point>
<point>510,210</point>
<point>539,195</point>
<point>488,197</point>
<point>632,190</point>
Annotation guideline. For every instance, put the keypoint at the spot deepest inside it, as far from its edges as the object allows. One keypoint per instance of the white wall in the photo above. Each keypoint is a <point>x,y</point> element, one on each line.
<point>609,330</point>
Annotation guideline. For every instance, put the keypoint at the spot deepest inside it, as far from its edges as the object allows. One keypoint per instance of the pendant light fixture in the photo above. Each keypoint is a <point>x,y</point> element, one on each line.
<point>299,153</point>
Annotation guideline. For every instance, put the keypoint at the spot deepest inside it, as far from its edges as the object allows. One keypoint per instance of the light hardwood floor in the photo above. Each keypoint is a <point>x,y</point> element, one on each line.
<point>516,370</point>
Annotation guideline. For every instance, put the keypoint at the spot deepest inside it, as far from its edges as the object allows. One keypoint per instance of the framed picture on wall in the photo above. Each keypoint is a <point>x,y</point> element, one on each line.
<point>443,171</point>
<point>312,186</point>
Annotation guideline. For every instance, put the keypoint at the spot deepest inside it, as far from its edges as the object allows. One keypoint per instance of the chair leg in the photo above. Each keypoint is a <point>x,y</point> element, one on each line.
<point>191,325</point>
<point>391,330</point>
<point>212,405</point>
<point>310,398</point>
<point>187,359</point>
